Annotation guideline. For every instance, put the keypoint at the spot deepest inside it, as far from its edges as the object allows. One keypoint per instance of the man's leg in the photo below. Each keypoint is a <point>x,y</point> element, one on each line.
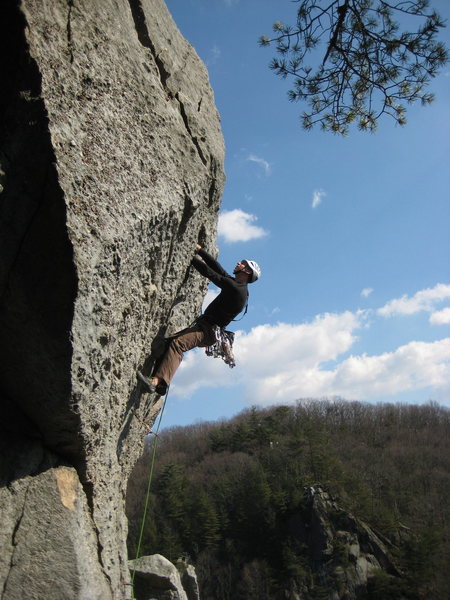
<point>192,337</point>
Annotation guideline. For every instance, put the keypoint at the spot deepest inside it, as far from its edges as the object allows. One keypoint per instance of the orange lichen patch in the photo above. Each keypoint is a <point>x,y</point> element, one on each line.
<point>67,482</point>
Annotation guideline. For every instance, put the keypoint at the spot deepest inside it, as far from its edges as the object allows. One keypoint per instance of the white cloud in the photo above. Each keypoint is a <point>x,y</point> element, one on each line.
<point>413,366</point>
<point>423,300</point>
<point>270,349</point>
<point>210,295</point>
<point>238,226</point>
<point>267,168</point>
<point>317,198</point>
<point>286,362</point>
<point>214,55</point>
<point>440,317</point>
<point>365,293</point>
<point>198,371</point>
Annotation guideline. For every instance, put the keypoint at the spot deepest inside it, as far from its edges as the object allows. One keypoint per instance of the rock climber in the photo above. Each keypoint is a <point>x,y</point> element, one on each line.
<point>210,326</point>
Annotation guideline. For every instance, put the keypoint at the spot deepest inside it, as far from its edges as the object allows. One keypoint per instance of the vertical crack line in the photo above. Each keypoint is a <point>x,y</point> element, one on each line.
<point>14,541</point>
<point>88,488</point>
<point>188,129</point>
<point>212,192</point>
<point>69,30</point>
<point>140,25</point>
<point>188,211</point>
<point>144,38</point>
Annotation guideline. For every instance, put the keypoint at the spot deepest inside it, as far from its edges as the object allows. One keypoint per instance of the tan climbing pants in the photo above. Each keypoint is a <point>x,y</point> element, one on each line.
<point>192,337</point>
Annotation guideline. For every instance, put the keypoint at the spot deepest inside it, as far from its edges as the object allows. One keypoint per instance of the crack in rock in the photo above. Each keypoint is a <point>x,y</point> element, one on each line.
<point>144,38</point>
<point>194,138</point>
<point>13,539</point>
<point>69,30</point>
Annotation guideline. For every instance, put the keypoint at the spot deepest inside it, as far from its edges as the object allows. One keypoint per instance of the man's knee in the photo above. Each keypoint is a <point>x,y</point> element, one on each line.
<point>181,344</point>
<point>186,342</point>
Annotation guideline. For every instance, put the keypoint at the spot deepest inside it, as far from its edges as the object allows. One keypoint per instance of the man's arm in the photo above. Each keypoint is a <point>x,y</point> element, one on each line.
<point>210,261</point>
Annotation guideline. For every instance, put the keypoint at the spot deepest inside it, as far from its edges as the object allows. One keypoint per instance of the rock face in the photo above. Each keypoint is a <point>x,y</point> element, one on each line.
<point>343,551</point>
<point>111,170</point>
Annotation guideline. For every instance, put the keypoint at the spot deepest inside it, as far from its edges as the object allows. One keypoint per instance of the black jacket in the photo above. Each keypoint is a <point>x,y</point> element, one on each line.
<point>233,296</point>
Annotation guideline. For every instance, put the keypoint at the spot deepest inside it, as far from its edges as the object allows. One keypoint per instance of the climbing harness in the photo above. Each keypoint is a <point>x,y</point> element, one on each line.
<point>147,495</point>
<point>223,346</point>
<point>245,311</point>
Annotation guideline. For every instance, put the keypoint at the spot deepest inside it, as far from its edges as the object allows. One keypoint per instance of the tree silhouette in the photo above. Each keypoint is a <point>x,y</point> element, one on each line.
<point>360,65</point>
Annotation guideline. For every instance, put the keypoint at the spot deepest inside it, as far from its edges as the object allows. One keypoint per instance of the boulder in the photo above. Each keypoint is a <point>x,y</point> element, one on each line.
<point>156,578</point>
<point>111,170</point>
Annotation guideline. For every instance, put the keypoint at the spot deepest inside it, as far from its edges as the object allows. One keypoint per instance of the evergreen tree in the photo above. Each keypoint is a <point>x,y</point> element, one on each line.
<point>205,522</point>
<point>351,63</point>
<point>172,501</point>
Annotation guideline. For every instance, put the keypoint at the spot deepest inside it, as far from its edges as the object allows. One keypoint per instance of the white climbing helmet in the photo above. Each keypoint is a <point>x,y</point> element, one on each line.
<point>256,271</point>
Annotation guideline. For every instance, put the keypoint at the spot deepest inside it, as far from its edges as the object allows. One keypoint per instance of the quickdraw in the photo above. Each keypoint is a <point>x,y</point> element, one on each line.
<point>223,346</point>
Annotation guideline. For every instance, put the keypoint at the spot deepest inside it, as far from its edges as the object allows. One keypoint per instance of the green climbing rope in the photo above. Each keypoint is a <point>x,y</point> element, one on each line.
<point>147,495</point>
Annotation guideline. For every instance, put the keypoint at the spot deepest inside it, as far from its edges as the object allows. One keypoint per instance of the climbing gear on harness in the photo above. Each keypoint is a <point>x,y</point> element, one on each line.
<point>223,346</point>
<point>255,269</point>
<point>160,388</point>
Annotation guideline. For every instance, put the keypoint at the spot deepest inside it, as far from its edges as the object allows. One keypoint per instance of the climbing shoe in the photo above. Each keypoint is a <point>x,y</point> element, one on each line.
<point>160,388</point>
<point>147,383</point>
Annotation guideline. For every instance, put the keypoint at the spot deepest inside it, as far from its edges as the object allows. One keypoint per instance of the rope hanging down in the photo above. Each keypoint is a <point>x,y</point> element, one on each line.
<point>147,495</point>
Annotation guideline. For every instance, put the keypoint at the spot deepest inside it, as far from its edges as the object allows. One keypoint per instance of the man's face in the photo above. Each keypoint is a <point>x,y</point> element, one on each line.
<point>240,266</point>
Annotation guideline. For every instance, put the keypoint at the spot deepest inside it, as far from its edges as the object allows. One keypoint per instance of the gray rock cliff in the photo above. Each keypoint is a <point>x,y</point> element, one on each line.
<point>343,551</point>
<point>111,170</point>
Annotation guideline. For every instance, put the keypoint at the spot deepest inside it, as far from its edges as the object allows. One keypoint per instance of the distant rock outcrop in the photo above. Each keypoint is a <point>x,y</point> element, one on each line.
<point>344,552</point>
<point>111,170</point>
<point>189,579</point>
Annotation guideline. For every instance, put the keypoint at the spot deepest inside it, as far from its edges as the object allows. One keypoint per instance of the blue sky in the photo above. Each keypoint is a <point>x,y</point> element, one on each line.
<point>352,235</point>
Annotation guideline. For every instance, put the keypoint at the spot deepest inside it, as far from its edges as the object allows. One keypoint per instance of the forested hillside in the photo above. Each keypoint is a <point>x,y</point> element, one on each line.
<point>227,494</point>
